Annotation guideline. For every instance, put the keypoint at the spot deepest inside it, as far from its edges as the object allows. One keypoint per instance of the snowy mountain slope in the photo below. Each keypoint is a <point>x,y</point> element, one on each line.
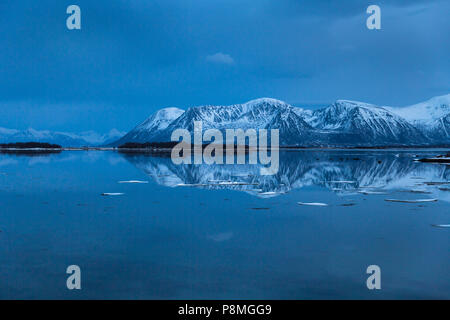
<point>253,114</point>
<point>431,117</point>
<point>264,113</point>
<point>425,112</point>
<point>65,139</point>
<point>354,122</point>
<point>343,123</point>
<point>152,126</point>
<point>439,130</point>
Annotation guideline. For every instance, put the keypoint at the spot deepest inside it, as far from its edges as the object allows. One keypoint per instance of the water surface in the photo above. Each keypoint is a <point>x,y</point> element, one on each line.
<point>245,241</point>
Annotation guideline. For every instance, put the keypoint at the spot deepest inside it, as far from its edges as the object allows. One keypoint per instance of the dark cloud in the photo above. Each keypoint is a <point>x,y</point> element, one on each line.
<point>132,57</point>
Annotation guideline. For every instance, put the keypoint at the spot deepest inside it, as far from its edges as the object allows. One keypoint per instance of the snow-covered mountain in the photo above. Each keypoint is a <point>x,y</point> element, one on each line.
<point>343,123</point>
<point>359,123</point>
<point>264,113</point>
<point>151,127</point>
<point>65,139</point>
<point>424,112</point>
<point>432,117</point>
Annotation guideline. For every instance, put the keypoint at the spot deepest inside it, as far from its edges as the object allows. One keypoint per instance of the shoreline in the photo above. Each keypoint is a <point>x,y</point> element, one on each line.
<point>163,150</point>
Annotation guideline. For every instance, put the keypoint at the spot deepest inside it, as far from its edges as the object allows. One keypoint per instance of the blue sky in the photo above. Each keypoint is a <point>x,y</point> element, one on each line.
<point>133,57</point>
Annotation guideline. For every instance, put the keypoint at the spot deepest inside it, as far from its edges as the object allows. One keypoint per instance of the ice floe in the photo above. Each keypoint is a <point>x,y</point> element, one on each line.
<point>343,181</point>
<point>268,193</point>
<point>319,204</point>
<point>436,183</point>
<point>191,185</point>
<point>417,191</point>
<point>347,204</point>
<point>232,183</point>
<point>441,225</point>
<point>368,192</point>
<point>411,201</point>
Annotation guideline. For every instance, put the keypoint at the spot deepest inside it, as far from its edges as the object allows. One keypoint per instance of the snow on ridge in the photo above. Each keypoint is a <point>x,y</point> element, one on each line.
<point>6,131</point>
<point>66,139</point>
<point>170,112</point>
<point>358,104</point>
<point>265,100</point>
<point>161,119</point>
<point>425,112</point>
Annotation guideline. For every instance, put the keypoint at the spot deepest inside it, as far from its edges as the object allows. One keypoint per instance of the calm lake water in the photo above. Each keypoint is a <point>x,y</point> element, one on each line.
<point>247,241</point>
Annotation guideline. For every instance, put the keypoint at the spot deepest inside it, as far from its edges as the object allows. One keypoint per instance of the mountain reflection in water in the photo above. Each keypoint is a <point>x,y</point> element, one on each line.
<point>341,172</point>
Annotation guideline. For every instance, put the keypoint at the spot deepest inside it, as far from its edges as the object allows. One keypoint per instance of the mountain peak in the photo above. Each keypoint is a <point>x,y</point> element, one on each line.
<point>356,104</point>
<point>161,118</point>
<point>169,112</point>
<point>265,100</point>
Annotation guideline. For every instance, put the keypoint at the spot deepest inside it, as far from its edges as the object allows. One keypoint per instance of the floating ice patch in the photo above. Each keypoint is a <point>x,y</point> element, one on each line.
<point>190,185</point>
<point>441,225</point>
<point>318,204</point>
<point>348,204</point>
<point>343,181</point>
<point>411,201</point>
<point>268,193</point>
<point>233,183</point>
<point>436,183</point>
<point>133,181</point>
<point>417,191</point>
<point>112,194</point>
<point>368,192</point>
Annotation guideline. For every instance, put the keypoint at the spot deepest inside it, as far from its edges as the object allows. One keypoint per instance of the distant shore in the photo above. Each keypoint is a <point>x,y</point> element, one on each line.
<point>170,149</point>
<point>166,147</point>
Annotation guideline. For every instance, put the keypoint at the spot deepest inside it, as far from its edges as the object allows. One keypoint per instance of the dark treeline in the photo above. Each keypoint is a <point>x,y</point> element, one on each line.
<point>30,145</point>
<point>165,148</point>
<point>167,145</point>
<point>147,145</point>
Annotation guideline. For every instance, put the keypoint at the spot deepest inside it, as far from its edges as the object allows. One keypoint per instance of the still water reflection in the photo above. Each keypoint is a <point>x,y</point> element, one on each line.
<point>221,231</point>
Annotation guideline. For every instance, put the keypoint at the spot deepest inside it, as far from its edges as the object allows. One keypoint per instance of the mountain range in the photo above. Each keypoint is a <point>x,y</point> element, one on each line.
<point>65,139</point>
<point>342,123</point>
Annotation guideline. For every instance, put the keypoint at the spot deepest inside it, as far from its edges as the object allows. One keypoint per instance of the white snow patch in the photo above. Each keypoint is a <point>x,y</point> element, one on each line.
<point>319,204</point>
